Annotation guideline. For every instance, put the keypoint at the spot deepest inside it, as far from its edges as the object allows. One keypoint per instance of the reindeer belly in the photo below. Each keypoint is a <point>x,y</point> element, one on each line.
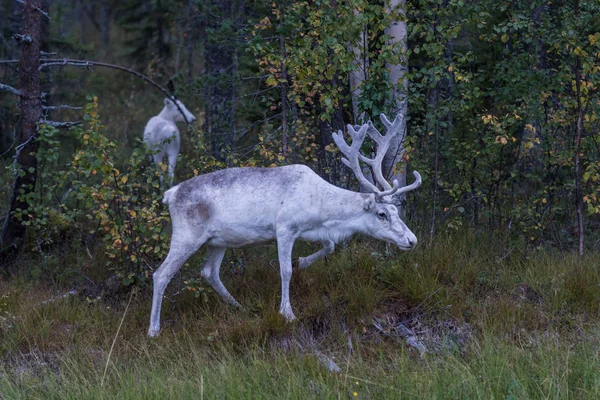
<point>240,235</point>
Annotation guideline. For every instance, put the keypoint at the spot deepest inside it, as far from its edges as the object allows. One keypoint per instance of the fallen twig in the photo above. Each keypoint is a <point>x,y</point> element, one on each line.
<point>405,333</point>
<point>70,293</point>
<point>329,363</point>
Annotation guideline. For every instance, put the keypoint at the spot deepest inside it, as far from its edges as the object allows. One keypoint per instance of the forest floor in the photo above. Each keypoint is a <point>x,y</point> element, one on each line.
<point>464,317</point>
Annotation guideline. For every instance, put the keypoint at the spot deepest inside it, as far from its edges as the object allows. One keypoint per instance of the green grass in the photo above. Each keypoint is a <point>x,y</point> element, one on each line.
<point>181,368</point>
<point>498,322</point>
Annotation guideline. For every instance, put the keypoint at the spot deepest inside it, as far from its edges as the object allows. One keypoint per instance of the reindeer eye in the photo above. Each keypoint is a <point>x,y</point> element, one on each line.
<point>382,215</point>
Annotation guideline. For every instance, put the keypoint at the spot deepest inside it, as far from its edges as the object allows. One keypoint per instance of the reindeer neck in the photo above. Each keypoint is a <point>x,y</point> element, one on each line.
<point>164,114</point>
<point>348,207</point>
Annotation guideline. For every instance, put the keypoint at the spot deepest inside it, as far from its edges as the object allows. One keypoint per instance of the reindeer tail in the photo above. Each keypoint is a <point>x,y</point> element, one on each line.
<point>169,194</point>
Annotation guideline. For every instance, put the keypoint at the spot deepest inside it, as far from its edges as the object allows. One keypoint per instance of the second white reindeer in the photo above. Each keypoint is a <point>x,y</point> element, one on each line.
<point>244,206</point>
<point>161,134</point>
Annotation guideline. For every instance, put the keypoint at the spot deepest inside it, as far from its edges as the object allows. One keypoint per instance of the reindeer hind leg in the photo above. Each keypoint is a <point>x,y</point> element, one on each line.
<point>172,159</point>
<point>211,270</point>
<point>158,158</point>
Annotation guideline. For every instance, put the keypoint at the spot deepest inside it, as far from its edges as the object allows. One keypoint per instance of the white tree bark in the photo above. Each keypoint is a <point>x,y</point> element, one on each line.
<point>359,72</point>
<point>397,33</point>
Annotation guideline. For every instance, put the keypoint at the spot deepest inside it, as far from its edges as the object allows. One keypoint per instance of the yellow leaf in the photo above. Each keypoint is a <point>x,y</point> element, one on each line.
<point>487,119</point>
<point>271,81</point>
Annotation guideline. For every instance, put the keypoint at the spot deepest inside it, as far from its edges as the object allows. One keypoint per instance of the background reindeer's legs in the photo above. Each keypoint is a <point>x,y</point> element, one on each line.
<point>179,252</point>
<point>172,152</point>
<point>285,243</point>
<point>210,271</point>
<point>158,158</point>
<point>328,247</point>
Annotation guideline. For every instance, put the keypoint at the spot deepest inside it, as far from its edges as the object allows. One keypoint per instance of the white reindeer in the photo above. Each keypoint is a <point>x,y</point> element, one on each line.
<point>161,135</point>
<point>243,206</point>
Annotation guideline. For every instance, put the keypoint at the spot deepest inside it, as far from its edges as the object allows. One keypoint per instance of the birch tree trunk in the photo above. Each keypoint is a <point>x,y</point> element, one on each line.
<point>359,71</point>
<point>13,231</point>
<point>397,33</point>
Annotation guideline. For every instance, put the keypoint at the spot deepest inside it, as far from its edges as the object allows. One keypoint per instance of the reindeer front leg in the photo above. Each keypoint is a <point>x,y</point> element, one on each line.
<point>328,247</point>
<point>285,243</point>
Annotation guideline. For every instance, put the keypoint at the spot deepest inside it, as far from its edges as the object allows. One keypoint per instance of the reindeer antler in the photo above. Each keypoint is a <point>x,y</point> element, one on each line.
<point>383,144</point>
<point>353,155</point>
<point>171,87</point>
<point>352,152</point>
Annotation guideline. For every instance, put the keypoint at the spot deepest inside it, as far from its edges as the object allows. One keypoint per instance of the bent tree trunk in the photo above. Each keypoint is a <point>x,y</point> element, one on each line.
<point>13,231</point>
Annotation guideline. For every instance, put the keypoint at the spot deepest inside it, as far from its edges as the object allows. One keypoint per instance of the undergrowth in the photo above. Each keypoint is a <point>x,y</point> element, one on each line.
<point>497,320</point>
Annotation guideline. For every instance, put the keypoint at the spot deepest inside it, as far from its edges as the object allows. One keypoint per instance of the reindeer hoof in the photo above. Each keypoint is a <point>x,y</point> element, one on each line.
<point>288,314</point>
<point>153,332</point>
<point>302,263</point>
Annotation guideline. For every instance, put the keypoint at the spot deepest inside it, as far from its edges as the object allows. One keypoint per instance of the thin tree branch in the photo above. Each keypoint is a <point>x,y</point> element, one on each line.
<point>57,124</point>
<point>44,13</point>
<point>47,62</point>
<point>22,38</point>
<point>61,107</point>
<point>10,89</point>
<point>25,143</point>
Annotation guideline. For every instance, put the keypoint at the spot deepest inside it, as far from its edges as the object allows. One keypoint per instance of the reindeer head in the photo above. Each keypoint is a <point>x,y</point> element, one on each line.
<point>383,220</point>
<point>172,112</point>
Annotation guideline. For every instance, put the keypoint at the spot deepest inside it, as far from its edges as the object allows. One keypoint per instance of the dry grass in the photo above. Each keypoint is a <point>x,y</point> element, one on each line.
<point>496,322</point>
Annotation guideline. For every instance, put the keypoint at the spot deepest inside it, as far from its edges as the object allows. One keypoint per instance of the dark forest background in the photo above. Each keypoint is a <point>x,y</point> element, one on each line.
<point>502,103</point>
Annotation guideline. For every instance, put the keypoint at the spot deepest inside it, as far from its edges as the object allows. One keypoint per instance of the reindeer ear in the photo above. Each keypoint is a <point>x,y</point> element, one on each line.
<point>369,203</point>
